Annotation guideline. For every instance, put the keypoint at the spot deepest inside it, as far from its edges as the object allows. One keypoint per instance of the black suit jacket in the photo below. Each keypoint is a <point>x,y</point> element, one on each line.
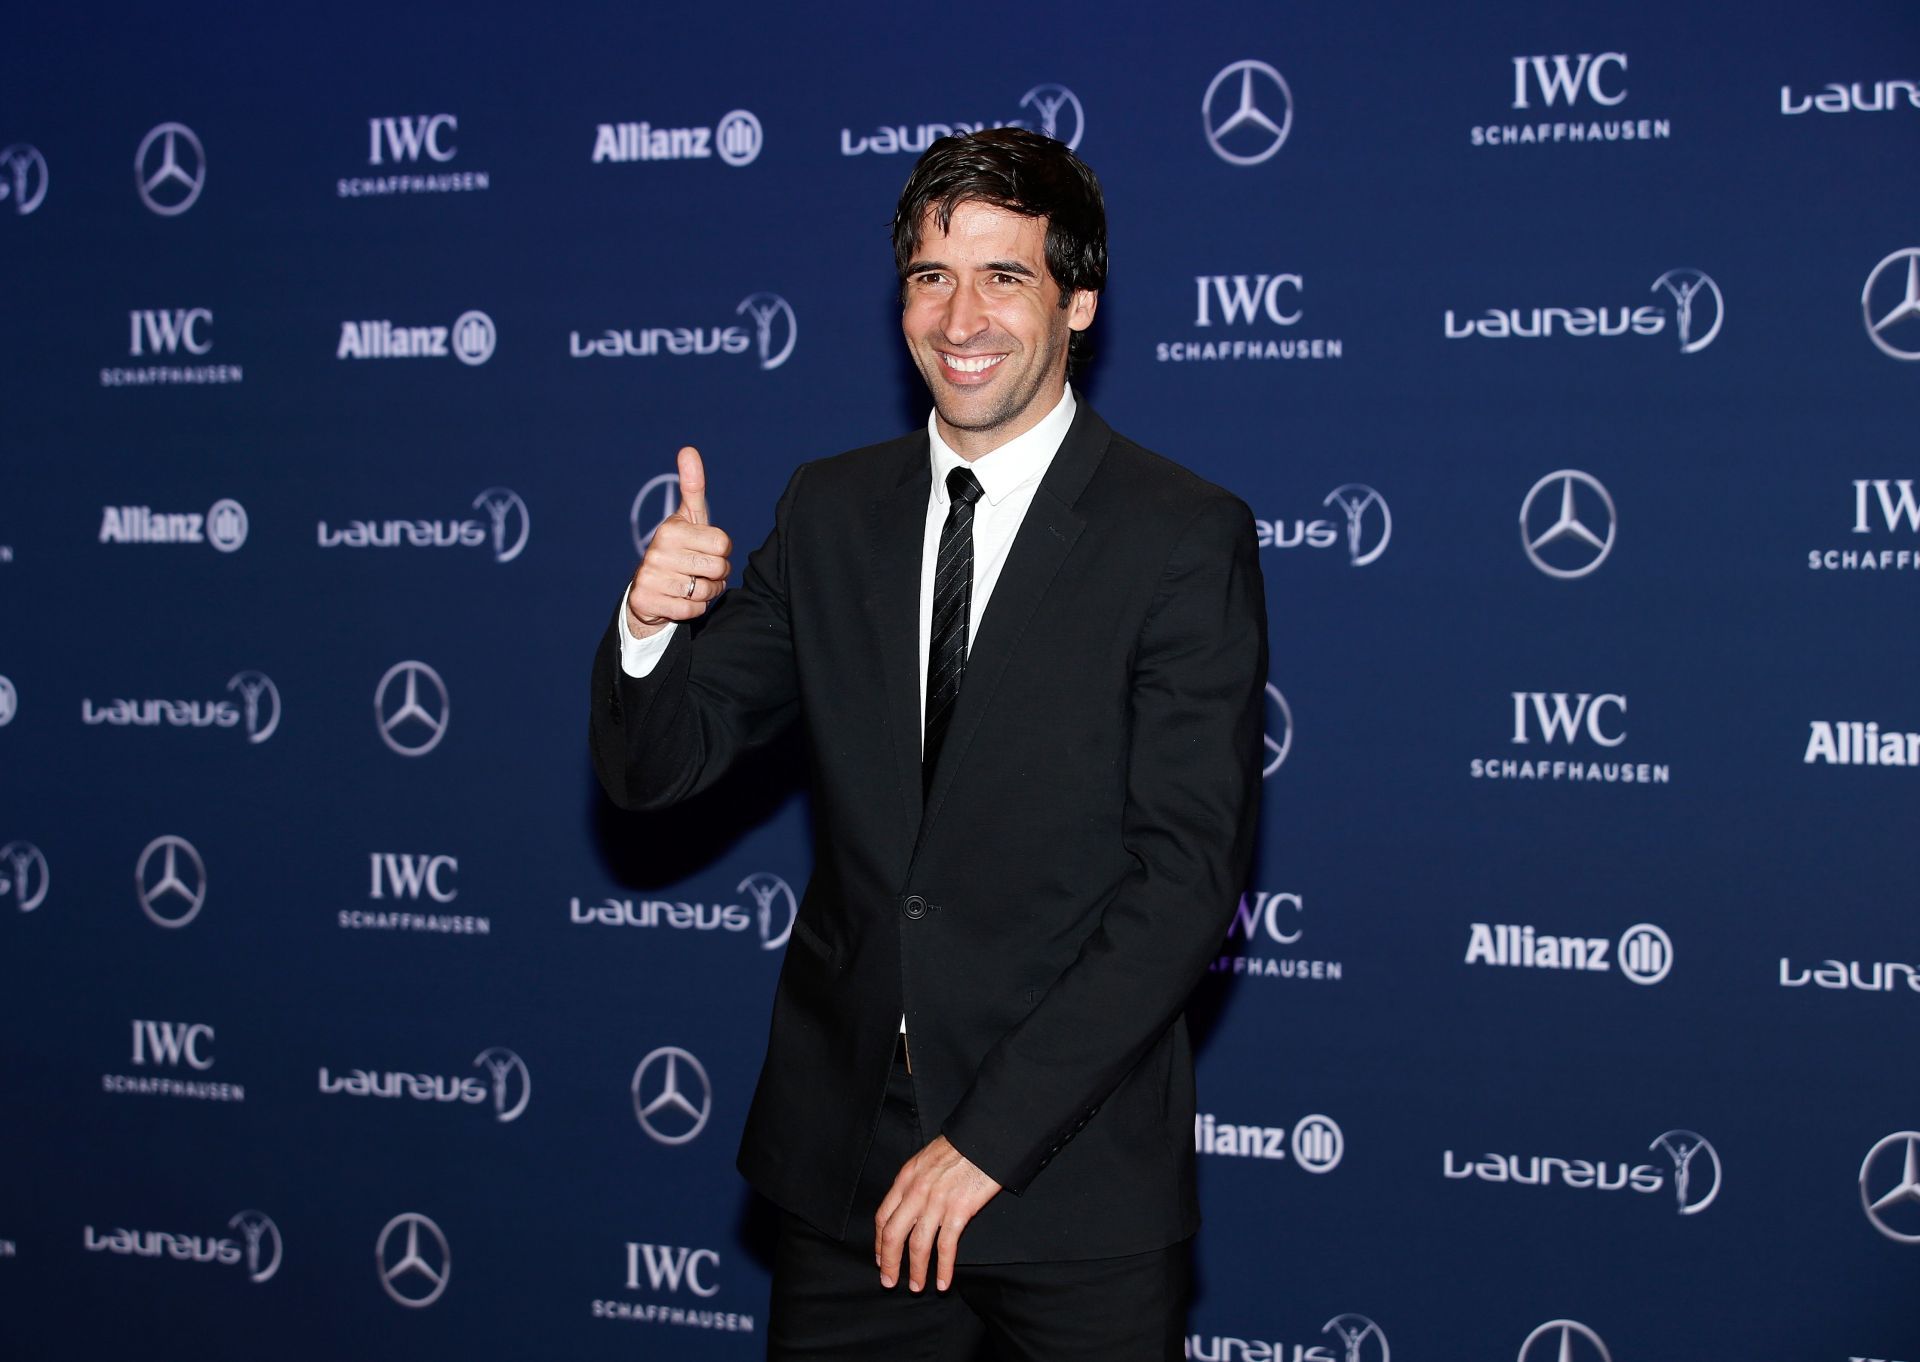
<point>1042,919</point>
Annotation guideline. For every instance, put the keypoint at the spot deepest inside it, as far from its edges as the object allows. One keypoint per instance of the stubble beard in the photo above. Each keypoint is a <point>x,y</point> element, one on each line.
<point>1014,402</point>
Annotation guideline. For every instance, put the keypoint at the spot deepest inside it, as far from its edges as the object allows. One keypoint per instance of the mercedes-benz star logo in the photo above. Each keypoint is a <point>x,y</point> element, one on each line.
<point>1892,1211</point>
<point>1049,103</point>
<point>1237,113</point>
<point>263,1243</point>
<point>1354,1332</point>
<point>1685,1148</point>
<point>774,907</point>
<point>1686,286</point>
<point>1567,1331</point>
<point>1896,305</point>
<point>261,701</point>
<point>504,507</point>
<point>665,1093</point>
<point>170,169</point>
<point>509,1098</point>
<point>175,897</point>
<point>767,309</point>
<point>1583,548</point>
<point>1354,500</point>
<point>9,702</point>
<point>23,874</point>
<point>23,178</point>
<point>664,486</point>
<point>413,1279</point>
<point>1280,721</point>
<point>414,725</point>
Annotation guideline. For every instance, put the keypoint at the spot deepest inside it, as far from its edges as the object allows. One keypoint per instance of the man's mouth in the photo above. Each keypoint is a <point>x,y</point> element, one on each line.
<point>975,364</point>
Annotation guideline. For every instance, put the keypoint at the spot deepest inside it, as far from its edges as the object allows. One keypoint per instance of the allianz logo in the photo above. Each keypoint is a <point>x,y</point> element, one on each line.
<point>224,525</point>
<point>669,1267</point>
<point>1881,976</point>
<point>1878,96</point>
<point>1316,1144</point>
<point>470,340</point>
<point>1645,955</point>
<point>1854,742</point>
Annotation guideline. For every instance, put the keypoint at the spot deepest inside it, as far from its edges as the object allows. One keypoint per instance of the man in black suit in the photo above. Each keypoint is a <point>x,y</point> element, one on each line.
<point>1029,657</point>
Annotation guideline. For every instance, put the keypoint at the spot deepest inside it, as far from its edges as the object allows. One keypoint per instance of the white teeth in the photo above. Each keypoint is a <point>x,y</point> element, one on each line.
<point>972,366</point>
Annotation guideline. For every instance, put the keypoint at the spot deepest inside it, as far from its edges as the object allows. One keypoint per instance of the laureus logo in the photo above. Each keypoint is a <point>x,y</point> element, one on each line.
<point>775,328</point>
<point>774,907</point>
<point>511,1086</point>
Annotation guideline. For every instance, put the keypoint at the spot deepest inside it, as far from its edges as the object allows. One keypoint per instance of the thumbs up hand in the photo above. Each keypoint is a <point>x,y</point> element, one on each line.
<point>686,565</point>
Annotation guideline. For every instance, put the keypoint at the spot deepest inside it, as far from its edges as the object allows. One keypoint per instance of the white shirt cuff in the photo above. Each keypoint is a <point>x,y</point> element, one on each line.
<point>638,656</point>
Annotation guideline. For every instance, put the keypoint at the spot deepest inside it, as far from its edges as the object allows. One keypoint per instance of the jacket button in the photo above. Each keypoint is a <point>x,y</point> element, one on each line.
<point>915,907</point>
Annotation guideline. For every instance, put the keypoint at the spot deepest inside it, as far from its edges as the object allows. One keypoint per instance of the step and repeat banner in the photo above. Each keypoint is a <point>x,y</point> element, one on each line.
<point>1570,362</point>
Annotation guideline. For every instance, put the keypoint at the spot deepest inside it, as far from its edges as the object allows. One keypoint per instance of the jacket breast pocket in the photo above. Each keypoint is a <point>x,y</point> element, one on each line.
<point>809,939</point>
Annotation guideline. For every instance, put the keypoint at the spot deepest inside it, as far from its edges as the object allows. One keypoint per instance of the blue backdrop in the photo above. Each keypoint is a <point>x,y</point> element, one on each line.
<point>1566,357</point>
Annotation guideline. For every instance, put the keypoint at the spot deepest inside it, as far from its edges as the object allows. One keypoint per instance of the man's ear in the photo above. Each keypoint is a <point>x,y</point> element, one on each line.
<point>1081,309</point>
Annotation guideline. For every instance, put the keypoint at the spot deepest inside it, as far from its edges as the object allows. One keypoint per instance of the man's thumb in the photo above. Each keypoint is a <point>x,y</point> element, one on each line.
<point>693,486</point>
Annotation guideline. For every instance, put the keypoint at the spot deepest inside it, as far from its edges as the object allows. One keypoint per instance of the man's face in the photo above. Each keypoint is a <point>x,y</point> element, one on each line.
<point>983,321</point>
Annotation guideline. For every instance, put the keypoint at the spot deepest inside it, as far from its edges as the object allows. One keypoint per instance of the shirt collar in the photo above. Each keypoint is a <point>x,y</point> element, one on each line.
<point>1016,463</point>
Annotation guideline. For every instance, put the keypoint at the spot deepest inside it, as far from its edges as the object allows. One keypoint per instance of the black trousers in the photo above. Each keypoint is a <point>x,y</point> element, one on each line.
<point>828,1304</point>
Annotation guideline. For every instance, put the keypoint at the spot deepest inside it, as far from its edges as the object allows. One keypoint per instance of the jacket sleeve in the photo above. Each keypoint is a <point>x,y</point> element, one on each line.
<point>723,687</point>
<point>1192,799</point>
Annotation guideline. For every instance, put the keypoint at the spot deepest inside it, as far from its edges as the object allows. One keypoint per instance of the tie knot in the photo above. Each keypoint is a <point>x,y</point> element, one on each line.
<point>962,487</point>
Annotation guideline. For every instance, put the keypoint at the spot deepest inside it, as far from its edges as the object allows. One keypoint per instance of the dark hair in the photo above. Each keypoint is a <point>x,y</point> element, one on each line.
<point>1022,172</point>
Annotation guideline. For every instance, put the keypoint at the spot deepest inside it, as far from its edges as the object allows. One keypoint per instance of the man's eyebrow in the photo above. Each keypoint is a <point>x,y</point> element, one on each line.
<point>991,267</point>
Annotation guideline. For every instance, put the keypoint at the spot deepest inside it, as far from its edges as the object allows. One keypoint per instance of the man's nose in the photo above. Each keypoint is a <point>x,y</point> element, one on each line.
<point>966,316</point>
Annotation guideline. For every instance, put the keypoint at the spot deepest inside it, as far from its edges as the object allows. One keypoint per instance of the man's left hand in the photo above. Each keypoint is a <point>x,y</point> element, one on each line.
<point>936,1193</point>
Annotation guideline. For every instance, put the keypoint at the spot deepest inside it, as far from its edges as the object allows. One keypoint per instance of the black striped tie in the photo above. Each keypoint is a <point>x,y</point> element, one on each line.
<point>952,602</point>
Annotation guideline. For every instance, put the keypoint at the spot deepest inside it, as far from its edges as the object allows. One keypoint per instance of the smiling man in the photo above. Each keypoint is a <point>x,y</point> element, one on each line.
<point>1029,658</point>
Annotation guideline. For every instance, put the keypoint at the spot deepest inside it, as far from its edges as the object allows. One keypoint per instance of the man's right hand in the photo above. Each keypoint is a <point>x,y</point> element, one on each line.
<point>686,565</point>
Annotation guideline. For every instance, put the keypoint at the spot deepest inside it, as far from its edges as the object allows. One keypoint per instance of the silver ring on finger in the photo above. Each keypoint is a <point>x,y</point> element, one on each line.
<point>688,593</point>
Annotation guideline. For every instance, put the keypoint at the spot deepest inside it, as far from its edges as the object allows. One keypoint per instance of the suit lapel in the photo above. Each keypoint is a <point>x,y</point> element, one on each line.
<point>1042,544</point>
<point>896,531</point>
